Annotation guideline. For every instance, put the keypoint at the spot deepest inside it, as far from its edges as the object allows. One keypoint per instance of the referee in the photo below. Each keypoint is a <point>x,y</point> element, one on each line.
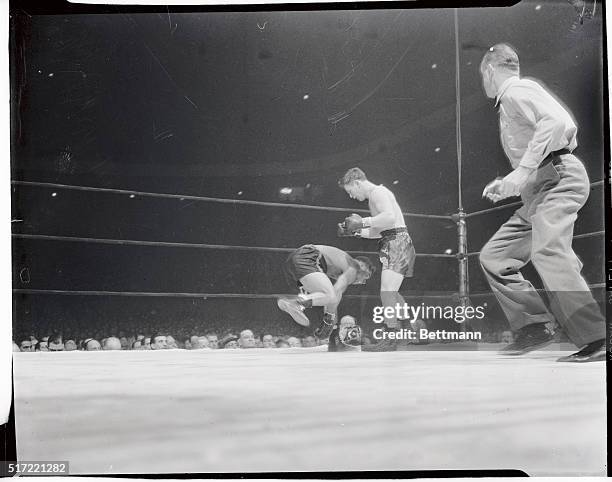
<point>538,136</point>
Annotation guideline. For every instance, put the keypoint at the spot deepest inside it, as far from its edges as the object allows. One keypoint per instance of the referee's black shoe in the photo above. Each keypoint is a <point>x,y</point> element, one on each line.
<point>529,338</point>
<point>594,351</point>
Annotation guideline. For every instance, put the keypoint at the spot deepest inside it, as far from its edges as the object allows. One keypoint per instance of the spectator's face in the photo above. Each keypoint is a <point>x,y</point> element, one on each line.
<point>56,346</point>
<point>124,343</point>
<point>26,345</point>
<point>231,345</point>
<point>70,345</point>
<point>160,343</point>
<point>140,337</point>
<point>282,344</point>
<point>247,340</point>
<point>346,323</point>
<point>171,342</point>
<point>507,337</point>
<point>309,341</point>
<point>268,341</point>
<point>203,342</point>
<point>137,345</point>
<point>147,343</point>
<point>93,345</point>
<point>213,341</point>
<point>111,343</point>
<point>294,342</point>
<point>43,346</point>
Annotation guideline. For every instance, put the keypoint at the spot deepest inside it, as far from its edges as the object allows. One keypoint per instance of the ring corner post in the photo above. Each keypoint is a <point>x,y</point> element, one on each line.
<point>462,258</point>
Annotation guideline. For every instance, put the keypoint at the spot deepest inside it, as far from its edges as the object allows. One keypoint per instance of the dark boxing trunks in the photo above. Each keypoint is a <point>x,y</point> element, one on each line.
<point>396,251</point>
<point>303,261</point>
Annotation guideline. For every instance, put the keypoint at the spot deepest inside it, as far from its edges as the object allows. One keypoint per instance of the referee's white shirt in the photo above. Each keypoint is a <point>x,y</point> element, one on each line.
<point>532,122</point>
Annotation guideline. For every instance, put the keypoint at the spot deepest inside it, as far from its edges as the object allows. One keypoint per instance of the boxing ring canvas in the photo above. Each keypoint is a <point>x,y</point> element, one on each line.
<point>165,163</point>
<point>306,410</point>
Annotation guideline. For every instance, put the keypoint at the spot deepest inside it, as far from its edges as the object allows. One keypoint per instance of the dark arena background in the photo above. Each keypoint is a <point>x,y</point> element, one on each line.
<point>164,162</point>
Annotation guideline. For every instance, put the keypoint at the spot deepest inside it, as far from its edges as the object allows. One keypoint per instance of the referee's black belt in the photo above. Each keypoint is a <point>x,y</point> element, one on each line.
<point>554,156</point>
<point>560,152</point>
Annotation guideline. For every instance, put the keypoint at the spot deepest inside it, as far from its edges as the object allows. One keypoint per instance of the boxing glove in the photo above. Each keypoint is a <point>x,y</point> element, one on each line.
<point>354,223</point>
<point>342,231</point>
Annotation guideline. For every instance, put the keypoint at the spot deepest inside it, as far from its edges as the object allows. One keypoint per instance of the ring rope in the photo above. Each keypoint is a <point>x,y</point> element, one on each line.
<point>517,203</point>
<point>211,199</point>
<point>132,242</point>
<point>161,294</point>
<point>589,235</point>
<point>496,208</point>
<point>539,290</point>
<point>577,236</point>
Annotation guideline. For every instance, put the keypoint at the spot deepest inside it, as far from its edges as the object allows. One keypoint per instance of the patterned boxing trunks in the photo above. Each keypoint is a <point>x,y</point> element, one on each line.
<point>396,251</point>
<point>303,261</point>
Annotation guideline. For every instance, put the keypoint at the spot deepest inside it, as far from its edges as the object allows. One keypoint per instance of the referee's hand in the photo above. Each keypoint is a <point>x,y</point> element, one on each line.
<point>513,183</point>
<point>492,190</point>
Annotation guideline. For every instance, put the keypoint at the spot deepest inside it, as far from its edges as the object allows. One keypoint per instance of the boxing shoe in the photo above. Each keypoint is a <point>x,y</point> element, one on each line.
<point>294,309</point>
<point>594,351</point>
<point>529,338</point>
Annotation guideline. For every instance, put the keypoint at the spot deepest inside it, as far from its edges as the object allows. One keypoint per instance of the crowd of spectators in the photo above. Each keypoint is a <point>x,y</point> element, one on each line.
<point>188,333</point>
<point>162,341</point>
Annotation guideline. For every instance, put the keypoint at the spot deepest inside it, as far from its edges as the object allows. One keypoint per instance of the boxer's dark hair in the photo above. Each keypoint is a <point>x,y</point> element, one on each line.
<point>502,56</point>
<point>353,174</point>
<point>368,262</point>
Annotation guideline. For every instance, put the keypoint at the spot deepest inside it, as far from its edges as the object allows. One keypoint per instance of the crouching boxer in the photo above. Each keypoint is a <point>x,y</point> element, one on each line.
<point>313,267</point>
<point>396,252</point>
